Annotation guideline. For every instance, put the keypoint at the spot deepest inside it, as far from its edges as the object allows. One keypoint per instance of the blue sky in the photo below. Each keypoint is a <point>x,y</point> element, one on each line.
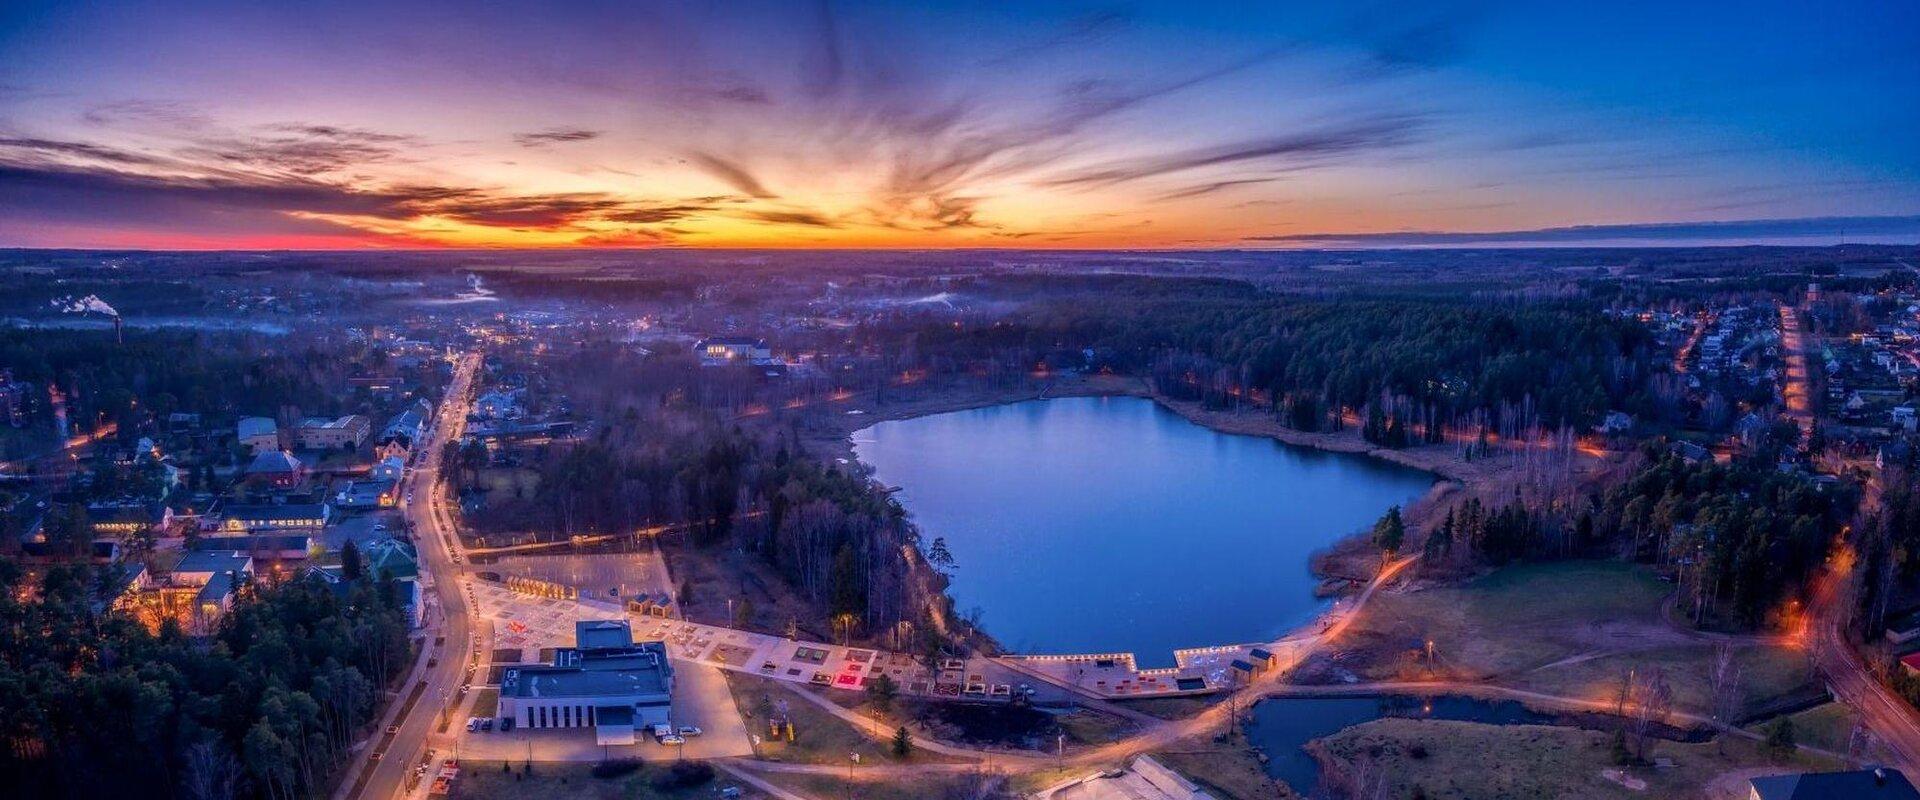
<point>1189,124</point>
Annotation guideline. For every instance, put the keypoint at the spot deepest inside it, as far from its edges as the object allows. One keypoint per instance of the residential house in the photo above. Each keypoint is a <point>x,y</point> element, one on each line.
<point>319,433</point>
<point>16,399</point>
<point>408,426</point>
<point>258,434</point>
<point>391,468</point>
<point>216,574</point>
<point>277,468</point>
<point>1880,783</point>
<point>498,404</point>
<point>383,559</point>
<point>717,351</point>
<point>365,494</point>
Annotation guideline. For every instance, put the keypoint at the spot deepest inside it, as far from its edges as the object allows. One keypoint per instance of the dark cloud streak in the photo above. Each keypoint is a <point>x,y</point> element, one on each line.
<point>554,136</point>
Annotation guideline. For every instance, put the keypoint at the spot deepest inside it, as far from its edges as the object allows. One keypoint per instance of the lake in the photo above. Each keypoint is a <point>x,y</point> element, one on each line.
<point>1111,524</point>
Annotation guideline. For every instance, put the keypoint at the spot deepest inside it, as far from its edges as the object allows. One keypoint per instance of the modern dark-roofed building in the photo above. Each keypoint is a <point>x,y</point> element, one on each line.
<point>606,681</point>
<point>1884,783</point>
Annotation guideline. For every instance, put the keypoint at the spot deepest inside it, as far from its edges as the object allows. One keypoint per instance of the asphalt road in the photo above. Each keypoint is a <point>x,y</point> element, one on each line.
<point>1894,723</point>
<point>449,639</point>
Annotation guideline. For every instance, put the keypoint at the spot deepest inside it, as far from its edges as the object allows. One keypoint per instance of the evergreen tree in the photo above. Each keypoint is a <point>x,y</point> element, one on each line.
<point>351,567</point>
<point>1390,532</point>
<point>902,742</point>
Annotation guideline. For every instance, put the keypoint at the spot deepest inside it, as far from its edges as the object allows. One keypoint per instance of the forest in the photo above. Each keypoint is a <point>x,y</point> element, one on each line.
<point>1425,366</point>
<point>665,453</point>
<point>93,705</point>
<point>1742,539</point>
<point>158,372</point>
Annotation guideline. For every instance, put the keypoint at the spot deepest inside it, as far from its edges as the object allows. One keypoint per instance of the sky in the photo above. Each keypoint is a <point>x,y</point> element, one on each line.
<point>181,124</point>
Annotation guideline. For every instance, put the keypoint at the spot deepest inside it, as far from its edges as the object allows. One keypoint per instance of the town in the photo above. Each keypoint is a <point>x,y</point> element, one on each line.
<point>635,541</point>
<point>1048,400</point>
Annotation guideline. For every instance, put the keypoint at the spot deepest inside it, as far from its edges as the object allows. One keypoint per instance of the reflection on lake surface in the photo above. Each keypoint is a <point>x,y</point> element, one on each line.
<point>1112,524</point>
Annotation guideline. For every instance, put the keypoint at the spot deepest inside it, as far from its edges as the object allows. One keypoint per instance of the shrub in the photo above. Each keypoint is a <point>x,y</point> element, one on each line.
<point>684,775</point>
<point>607,770</point>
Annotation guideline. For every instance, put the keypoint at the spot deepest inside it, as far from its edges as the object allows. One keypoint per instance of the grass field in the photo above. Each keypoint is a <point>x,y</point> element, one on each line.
<point>486,702</point>
<point>573,781</point>
<point>1522,762</point>
<point>819,736</point>
<point>1565,628</point>
<point>1828,726</point>
<point>1508,621</point>
<point>1170,707</point>
<point>509,481</point>
<point>931,786</point>
<point>1084,727</point>
<point>1229,770</point>
<point>1766,673</point>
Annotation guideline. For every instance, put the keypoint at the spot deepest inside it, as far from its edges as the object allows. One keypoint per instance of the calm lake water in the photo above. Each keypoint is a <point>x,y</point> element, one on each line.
<point>1093,524</point>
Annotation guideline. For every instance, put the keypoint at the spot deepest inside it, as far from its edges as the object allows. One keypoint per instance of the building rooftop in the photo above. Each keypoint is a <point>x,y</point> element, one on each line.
<point>256,426</point>
<point>273,461</point>
<point>602,633</point>
<point>323,422</point>
<point>218,587</point>
<point>1885,783</point>
<point>270,512</point>
<point>607,664</point>
<point>214,561</point>
<point>249,543</point>
<point>552,682</point>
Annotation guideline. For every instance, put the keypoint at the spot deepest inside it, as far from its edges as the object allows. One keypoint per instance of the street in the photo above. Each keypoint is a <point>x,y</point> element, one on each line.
<point>449,643</point>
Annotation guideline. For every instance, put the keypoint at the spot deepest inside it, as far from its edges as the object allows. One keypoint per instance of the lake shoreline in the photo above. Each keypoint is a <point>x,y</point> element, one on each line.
<point>1339,563</point>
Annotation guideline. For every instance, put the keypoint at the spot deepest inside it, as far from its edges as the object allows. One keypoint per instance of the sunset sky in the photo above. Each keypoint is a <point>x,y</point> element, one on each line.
<point>793,124</point>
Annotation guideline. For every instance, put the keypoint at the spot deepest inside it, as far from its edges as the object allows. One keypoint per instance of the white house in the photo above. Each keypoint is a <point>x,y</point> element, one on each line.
<point>721,350</point>
<point>390,469</point>
<point>258,434</point>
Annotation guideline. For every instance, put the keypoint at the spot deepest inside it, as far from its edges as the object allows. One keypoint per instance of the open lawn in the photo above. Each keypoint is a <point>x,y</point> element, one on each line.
<point>819,737</point>
<point>1170,707</point>
<point>1828,726</point>
<point>1229,770</point>
<point>519,482</point>
<point>1088,727</point>
<point>486,702</point>
<point>1767,672</point>
<point>485,781</point>
<point>1522,762</point>
<point>867,786</point>
<point>1509,621</point>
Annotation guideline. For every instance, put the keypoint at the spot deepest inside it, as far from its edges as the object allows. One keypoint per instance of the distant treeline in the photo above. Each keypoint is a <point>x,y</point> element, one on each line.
<point>1430,364</point>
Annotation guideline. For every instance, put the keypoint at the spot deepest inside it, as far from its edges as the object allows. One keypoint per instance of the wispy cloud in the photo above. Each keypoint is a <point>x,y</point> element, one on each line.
<point>554,136</point>
<point>1291,151</point>
<point>1901,228</point>
<point>730,173</point>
